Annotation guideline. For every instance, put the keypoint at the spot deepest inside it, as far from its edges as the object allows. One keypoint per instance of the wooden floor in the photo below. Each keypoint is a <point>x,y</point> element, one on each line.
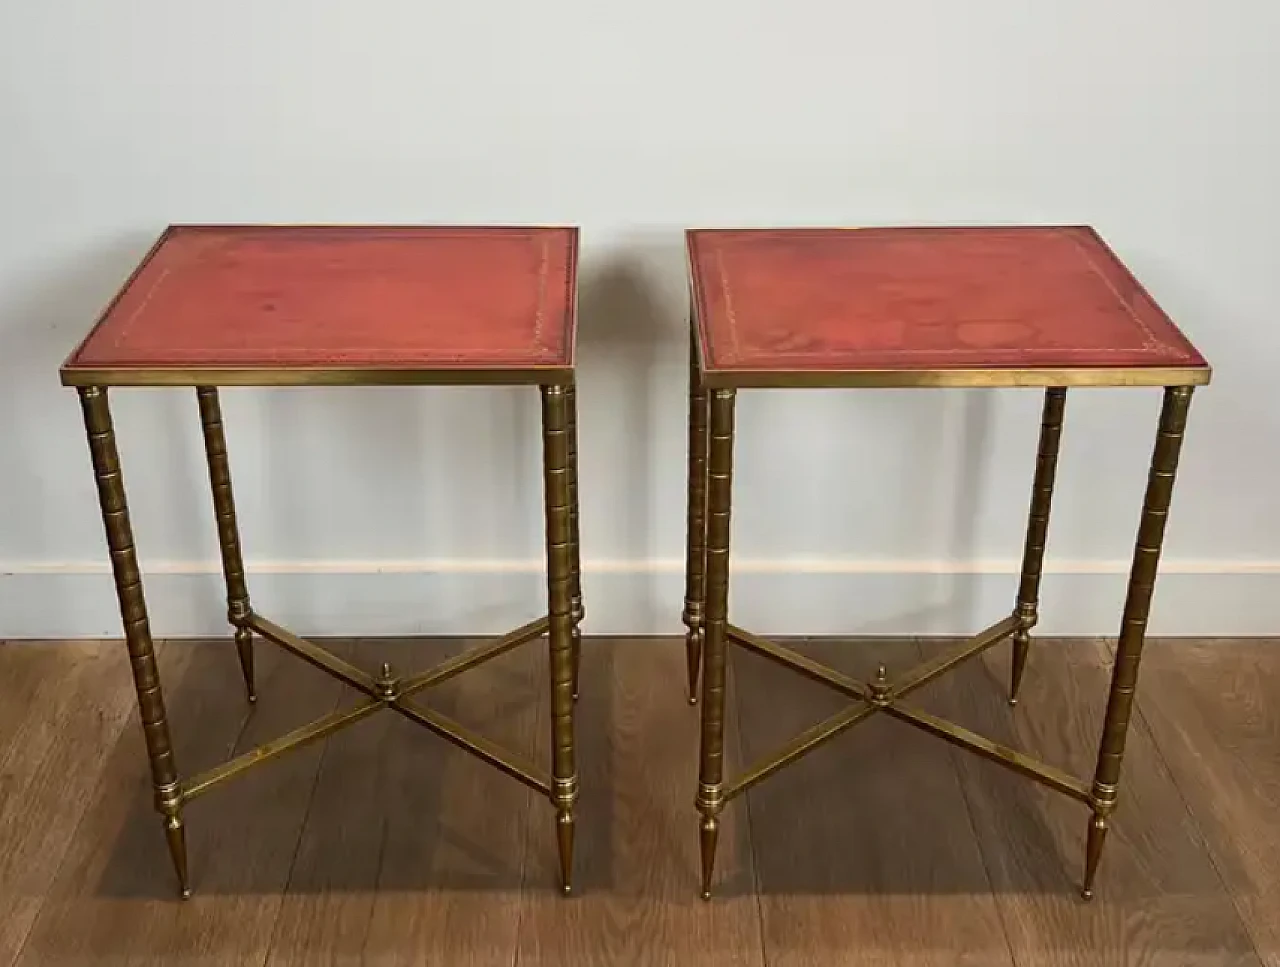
<point>386,846</point>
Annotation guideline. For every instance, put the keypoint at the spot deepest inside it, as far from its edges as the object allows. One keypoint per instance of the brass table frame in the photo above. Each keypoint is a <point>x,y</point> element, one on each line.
<point>386,690</point>
<point>711,427</point>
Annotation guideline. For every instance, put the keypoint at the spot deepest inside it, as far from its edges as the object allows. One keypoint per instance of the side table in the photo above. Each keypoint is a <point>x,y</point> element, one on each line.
<point>249,305</point>
<point>1048,307</point>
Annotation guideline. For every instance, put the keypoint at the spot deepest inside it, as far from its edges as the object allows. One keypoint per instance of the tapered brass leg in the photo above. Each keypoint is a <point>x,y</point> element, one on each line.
<point>1097,835</point>
<point>711,760</point>
<point>696,537</point>
<point>224,506</point>
<point>1027,609</point>
<point>577,611</point>
<point>556,477</point>
<point>137,630</point>
<point>1137,607</point>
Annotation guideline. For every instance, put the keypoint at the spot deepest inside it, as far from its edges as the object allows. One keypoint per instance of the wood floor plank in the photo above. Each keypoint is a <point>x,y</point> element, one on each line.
<point>328,903</point>
<point>63,709</point>
<point>1213,711</point>
<point>387,846</point>
<point>636,879</point>
<point>30,672</point>
<point>865,849</point>
<point>114,899</point>
<point>1159,900</point>
<point>450,876</point>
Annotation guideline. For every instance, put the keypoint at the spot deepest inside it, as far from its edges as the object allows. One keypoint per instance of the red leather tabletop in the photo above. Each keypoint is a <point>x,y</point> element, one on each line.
<point>900,301</point>
<point>354,298</point>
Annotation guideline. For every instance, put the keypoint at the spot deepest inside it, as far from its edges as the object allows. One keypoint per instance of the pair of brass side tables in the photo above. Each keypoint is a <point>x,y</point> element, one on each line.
<point>1049,307</point>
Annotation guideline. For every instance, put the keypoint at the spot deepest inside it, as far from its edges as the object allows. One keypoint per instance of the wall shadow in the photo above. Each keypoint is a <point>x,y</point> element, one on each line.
<point>44,313</point>
<point>623,389</point>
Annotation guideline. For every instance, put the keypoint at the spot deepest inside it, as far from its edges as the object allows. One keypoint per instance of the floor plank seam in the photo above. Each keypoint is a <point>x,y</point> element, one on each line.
<point>1209,851</point>
<point>302,828</point>
<point>531,805</point>
<point>953,756</point>
<point>751,829</point>
<point>382,848</point>
<point>68,840</point>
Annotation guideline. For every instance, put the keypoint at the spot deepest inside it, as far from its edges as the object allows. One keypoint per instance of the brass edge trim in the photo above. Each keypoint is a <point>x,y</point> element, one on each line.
<point>1116,376</point>
<point>378,226</point>
<point>111,304</point>
<point>695,300</point>
<point>315,376</point>
<point>571,303</point>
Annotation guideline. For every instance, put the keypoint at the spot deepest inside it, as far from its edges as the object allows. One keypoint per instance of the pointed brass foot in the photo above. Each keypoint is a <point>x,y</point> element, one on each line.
<point>693,661</point>
<point>177,839</point>
<point>708,836</point>
<point>1093,853</point>
<point>244,649</point>
<point>564,840</point>
<point>1021,649</point>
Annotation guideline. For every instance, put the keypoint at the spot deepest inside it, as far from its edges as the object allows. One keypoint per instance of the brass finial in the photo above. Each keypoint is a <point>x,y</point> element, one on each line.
<point>880,687</point>
<point>387,682</point>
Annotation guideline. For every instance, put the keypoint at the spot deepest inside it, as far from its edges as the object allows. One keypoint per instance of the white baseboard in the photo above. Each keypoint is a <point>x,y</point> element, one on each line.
<point>793,597</point>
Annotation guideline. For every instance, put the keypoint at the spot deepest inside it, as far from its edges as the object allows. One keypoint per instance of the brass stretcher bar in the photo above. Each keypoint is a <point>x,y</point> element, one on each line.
<point>880,696</point>
<point>384,692</point>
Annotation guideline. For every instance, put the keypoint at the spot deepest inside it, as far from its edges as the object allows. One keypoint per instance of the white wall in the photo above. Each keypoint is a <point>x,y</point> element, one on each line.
<point>388,510</point>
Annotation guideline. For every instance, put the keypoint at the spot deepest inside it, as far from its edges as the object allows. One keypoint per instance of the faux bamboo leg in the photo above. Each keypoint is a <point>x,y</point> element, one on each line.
<point>224,506</point>
<point>1133,629</point>
<point>137,630</point>
<point>1027,610</point>
<point>696,534</point>
<point>577,611</point>
<point>556,476</point>
<point>710,799</point>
